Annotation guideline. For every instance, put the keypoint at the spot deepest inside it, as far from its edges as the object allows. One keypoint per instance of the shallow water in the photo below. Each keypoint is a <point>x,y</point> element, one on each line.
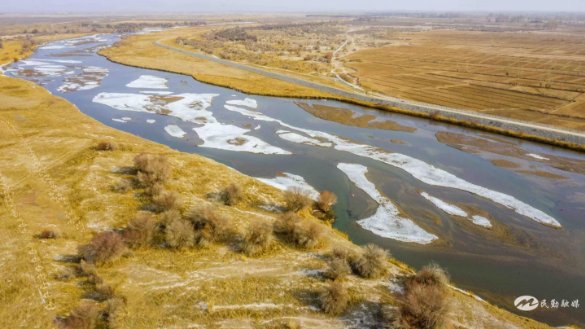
<point>517,256</point>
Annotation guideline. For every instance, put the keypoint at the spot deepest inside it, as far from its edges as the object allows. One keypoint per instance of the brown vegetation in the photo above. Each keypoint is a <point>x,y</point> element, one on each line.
<point>165,200</point>
<point>302,233</point>
<point>104,247</point>
<point>141,230</point>
<point>424,304</point>
<point>209,226</point>
<point>106,146</point>
<point>231,195</point>
<point>84,316</point>
<point>47,234</point>
<point>257,239</point>
<point>152,169</point>
<point>334,298</point>
<point>296,199</point>
<point>371,263</point>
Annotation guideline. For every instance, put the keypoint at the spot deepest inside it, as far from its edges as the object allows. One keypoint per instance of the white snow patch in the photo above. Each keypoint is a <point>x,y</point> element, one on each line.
<point>149,82</point>
<point>300,139</point>
<point>386,222</point>
<point>537,156</point>
<point>446,207</point>
<point>175,131</point>
<point>150,121</point>
<point>155,92</point>
<point>287,181</point>
<point>481,221</point>
<point>233,138</point>
<point>248,102</point>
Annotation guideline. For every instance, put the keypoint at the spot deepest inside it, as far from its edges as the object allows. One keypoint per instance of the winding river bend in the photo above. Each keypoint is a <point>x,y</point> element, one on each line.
<point>504,216</point>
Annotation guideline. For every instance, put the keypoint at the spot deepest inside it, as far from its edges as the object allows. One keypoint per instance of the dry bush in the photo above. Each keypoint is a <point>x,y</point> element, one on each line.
<point>178,232</point>
<point>141,230</point>
<point>298,231</point>
<point>285,223</point>
<point>103,247</point>
<point>152,169</point>
<point>257,239</point>
<point>47,234</point>
<point>424,304</point>
<point>84,316</point>
<point>307,234</point>
<point>209,226</point>
<point>231,195</point>
<point>334,298</point>
<point>337,268</point>
<point>326,201</point>
<point>371,263</point>
<point>106,146</point>
<point>165,200</point>
<point>101,292</point>
<point>296,199</point>
<point>285,324</point>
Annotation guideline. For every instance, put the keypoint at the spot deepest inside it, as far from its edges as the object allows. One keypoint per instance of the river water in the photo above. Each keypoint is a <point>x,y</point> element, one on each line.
<point>505,217</point>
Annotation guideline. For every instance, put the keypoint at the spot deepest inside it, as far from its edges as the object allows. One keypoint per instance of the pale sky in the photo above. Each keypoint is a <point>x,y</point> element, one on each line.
<point>194,6</point>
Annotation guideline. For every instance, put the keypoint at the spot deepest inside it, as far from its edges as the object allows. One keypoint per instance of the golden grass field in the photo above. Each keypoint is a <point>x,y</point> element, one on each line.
<point>52,177</point>
<point>531,76</point>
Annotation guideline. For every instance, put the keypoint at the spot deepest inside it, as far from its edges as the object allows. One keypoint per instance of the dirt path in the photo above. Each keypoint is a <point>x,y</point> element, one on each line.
<point>516,128</point>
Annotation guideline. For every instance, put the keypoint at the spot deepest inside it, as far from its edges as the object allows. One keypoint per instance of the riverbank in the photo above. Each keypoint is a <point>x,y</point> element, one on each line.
<point>158,51</point>
<point>55,177</point>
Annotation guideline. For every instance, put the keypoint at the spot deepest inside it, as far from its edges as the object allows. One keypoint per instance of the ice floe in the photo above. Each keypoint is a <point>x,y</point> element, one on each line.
<point>122,120</point>
<point>175,131</point>
<point>481,221</point>
<point>537,156</point>
<point>149,82</point>
<point>387,221</point>
<point>446,207</point>
<point>248,102</point>
<point>150,121</point>
<point>233,138</point>
<point>300,139</point>
<point>286,181</point>
<point>89,78</point>
<point>156,92</point>
<point>420,170</point>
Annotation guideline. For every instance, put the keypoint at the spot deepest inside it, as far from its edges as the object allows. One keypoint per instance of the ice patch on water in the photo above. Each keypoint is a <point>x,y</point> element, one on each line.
<point>287,181</point>
<point>248,102</point>
<point>150,121</point>
<point>481,221</point>
<point>537,156</point>
<point>446,207</point>
<point>386,222</point>
<point>233,138</point>
<point>149,82</point>
<point>155,92</point>
<point>300,139</point>
<point>420,170</point>
<point>175,131</point>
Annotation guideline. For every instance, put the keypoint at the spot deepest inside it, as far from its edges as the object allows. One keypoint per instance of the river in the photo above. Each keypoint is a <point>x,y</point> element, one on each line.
<point>503,216</point>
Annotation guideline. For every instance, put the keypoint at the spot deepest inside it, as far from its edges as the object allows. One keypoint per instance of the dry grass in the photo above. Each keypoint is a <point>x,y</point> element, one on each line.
<point>297,199</point>
<point>231,195</point>
<point>257,239</point>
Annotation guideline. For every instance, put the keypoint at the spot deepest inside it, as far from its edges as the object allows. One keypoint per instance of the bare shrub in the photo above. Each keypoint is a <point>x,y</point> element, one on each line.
<point>337,268</point>
<point>140,231</point>
<point>47,234</point>
<point>326,201</point>
<point>209,226</point>
<point>165,200</point>
<point>334,298</point>
<point>152,169</point>
<point>257,239</point>
<point>84,316</point>
<point>178,232</point>
<point>285,223</point>
<point>307,234</point>
<point>296,199</point>
<point>101,292</point>
<point>371,263</point>
<point>104,247</point>
<point>106,146</point>
<point>298,231</point>
<point>231,195</point>
<point>424,304</point>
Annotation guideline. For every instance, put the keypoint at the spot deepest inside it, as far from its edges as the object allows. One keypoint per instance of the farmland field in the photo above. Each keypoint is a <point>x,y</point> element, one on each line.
<point>532,76</point>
